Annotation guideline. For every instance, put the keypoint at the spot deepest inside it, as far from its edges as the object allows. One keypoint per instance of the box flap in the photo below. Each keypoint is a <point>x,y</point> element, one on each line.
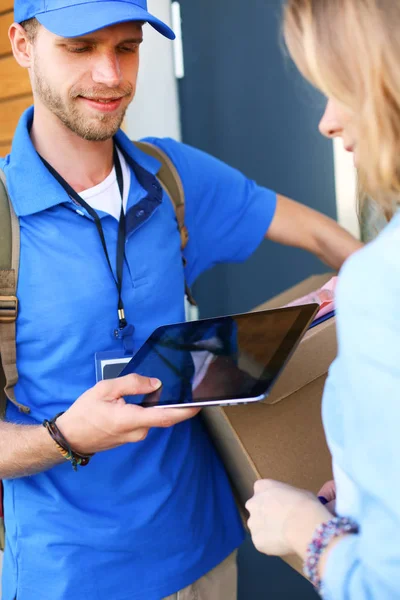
<point>297,291</point>
<point>312,359</point>
<point>316,351</point>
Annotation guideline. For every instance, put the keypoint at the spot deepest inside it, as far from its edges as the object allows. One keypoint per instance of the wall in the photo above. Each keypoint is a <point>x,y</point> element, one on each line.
<point>15,92</point>
<point>346,185</point>
<point>155,110</point>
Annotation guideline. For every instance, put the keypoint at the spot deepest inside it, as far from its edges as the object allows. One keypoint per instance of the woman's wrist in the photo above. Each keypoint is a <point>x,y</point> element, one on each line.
<point>325,555</point>
<point>312,532</point>
<point>302,523</point>
<point>325,537</point>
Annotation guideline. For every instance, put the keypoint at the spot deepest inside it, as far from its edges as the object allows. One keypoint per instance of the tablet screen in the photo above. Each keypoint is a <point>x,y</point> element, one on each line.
<point>237,357</point>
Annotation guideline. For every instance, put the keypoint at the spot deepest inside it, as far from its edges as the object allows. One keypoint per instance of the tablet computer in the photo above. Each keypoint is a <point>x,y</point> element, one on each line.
<point>225,360</point>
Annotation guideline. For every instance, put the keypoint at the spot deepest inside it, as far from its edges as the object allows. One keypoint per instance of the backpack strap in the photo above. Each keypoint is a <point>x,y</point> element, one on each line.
<point>170,180</point>
<point>2,530</point>
<point>9,265</point>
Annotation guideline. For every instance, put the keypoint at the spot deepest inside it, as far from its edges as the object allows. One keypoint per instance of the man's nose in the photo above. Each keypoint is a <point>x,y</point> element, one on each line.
<point>107,70</point>
<point>330,125</point>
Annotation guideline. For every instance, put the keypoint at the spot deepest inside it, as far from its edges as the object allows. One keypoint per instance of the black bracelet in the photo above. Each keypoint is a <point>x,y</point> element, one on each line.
<point>76,459</point>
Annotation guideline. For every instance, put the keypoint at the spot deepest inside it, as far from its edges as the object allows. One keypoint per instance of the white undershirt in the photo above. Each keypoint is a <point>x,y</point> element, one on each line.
<point>105,196</point>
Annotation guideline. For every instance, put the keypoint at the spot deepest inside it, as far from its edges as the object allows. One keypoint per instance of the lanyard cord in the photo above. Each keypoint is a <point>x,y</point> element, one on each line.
<point>121,228</point>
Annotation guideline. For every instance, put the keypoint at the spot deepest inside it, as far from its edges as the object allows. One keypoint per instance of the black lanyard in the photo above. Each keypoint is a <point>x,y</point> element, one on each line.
<point>122,322</point>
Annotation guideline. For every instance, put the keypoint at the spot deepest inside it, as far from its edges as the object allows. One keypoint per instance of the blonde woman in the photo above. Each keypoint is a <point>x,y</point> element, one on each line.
<point>350,50</point>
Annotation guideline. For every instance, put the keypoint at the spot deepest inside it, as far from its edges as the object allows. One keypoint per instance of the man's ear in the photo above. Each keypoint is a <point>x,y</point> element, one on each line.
<point>21,46</point>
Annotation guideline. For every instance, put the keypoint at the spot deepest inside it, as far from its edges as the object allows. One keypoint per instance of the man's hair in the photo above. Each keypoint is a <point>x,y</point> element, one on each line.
<point>31,27</point>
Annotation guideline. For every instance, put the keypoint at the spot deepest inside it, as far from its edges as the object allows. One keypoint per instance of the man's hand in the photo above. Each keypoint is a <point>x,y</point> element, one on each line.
<point>297,225</point>
<point>101,419</point>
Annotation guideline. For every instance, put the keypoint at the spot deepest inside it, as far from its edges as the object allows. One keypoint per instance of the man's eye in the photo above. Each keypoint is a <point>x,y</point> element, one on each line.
<point>79,49</point>
<point>129,49</point>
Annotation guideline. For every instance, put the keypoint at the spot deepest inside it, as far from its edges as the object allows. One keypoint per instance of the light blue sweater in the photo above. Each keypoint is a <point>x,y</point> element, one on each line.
<point>361,412</point>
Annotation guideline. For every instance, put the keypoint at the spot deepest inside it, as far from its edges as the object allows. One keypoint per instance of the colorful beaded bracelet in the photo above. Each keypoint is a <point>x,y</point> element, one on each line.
<point>322,537</point>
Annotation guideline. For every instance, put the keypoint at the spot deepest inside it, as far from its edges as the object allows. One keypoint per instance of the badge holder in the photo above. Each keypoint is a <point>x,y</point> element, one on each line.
<point>109,365</point>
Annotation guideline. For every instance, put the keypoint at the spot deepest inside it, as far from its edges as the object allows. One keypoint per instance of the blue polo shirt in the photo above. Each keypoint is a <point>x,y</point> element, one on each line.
<point>145,520</point>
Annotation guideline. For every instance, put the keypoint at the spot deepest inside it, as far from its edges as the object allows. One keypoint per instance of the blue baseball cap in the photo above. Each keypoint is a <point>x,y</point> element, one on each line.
<point>72,18</point>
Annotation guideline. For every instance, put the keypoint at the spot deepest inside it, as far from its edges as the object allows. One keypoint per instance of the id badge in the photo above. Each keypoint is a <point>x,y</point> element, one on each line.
<point>109,365</point>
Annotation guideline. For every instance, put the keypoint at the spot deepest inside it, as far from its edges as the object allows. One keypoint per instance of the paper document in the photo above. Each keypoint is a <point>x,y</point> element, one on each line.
<point>325,297</point>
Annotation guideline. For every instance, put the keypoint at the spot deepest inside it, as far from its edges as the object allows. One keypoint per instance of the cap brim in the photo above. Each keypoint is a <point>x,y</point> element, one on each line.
<point>81,19</point>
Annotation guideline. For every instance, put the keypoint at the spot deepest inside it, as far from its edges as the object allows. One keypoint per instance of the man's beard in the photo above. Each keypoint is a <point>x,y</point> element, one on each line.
<point>97,128</point>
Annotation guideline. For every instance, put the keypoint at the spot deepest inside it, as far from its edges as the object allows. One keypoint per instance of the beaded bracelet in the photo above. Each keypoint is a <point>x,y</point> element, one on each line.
<point>65,449</point>
<point>322,537</point>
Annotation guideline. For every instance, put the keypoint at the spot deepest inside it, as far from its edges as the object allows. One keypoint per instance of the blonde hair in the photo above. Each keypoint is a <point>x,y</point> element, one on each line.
<point>350,50</point>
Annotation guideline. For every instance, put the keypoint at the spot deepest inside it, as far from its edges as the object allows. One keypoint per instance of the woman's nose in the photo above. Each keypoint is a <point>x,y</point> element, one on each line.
<point>330,125</point>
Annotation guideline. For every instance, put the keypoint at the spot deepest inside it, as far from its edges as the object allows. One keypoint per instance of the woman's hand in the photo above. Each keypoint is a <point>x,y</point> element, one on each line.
<point>283,518</point>
<point>328,492</point>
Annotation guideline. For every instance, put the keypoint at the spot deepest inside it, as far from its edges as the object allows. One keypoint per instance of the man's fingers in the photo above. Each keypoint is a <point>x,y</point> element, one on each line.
<point>157,417</point>
<point>173,416</point>
<point>129,385</point>
<point>138,435</point>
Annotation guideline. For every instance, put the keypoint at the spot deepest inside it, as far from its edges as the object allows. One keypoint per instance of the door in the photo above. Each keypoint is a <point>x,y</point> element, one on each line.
<point>243,101</point>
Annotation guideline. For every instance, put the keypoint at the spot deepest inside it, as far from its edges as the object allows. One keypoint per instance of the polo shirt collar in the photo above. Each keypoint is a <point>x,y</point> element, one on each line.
<point>132,153</point>
<point>33,189</point>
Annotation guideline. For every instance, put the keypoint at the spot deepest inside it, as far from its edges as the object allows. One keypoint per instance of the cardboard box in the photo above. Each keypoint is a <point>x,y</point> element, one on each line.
<point>316,351</point>
<point>283,437</point>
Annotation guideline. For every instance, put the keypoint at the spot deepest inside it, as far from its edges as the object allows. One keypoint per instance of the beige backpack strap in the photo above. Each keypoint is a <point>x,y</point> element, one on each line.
<point>9,265</point>
<point>169,178</point>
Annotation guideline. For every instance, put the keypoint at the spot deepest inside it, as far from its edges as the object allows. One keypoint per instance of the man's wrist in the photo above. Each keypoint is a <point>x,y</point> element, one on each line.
<point>63,446</point>
<point>69,431</point>
<point>49,449</point>
<point>26,450</point>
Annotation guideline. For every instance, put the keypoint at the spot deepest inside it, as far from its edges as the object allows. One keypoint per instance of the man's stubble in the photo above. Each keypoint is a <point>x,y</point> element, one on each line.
<point>98,128</point>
